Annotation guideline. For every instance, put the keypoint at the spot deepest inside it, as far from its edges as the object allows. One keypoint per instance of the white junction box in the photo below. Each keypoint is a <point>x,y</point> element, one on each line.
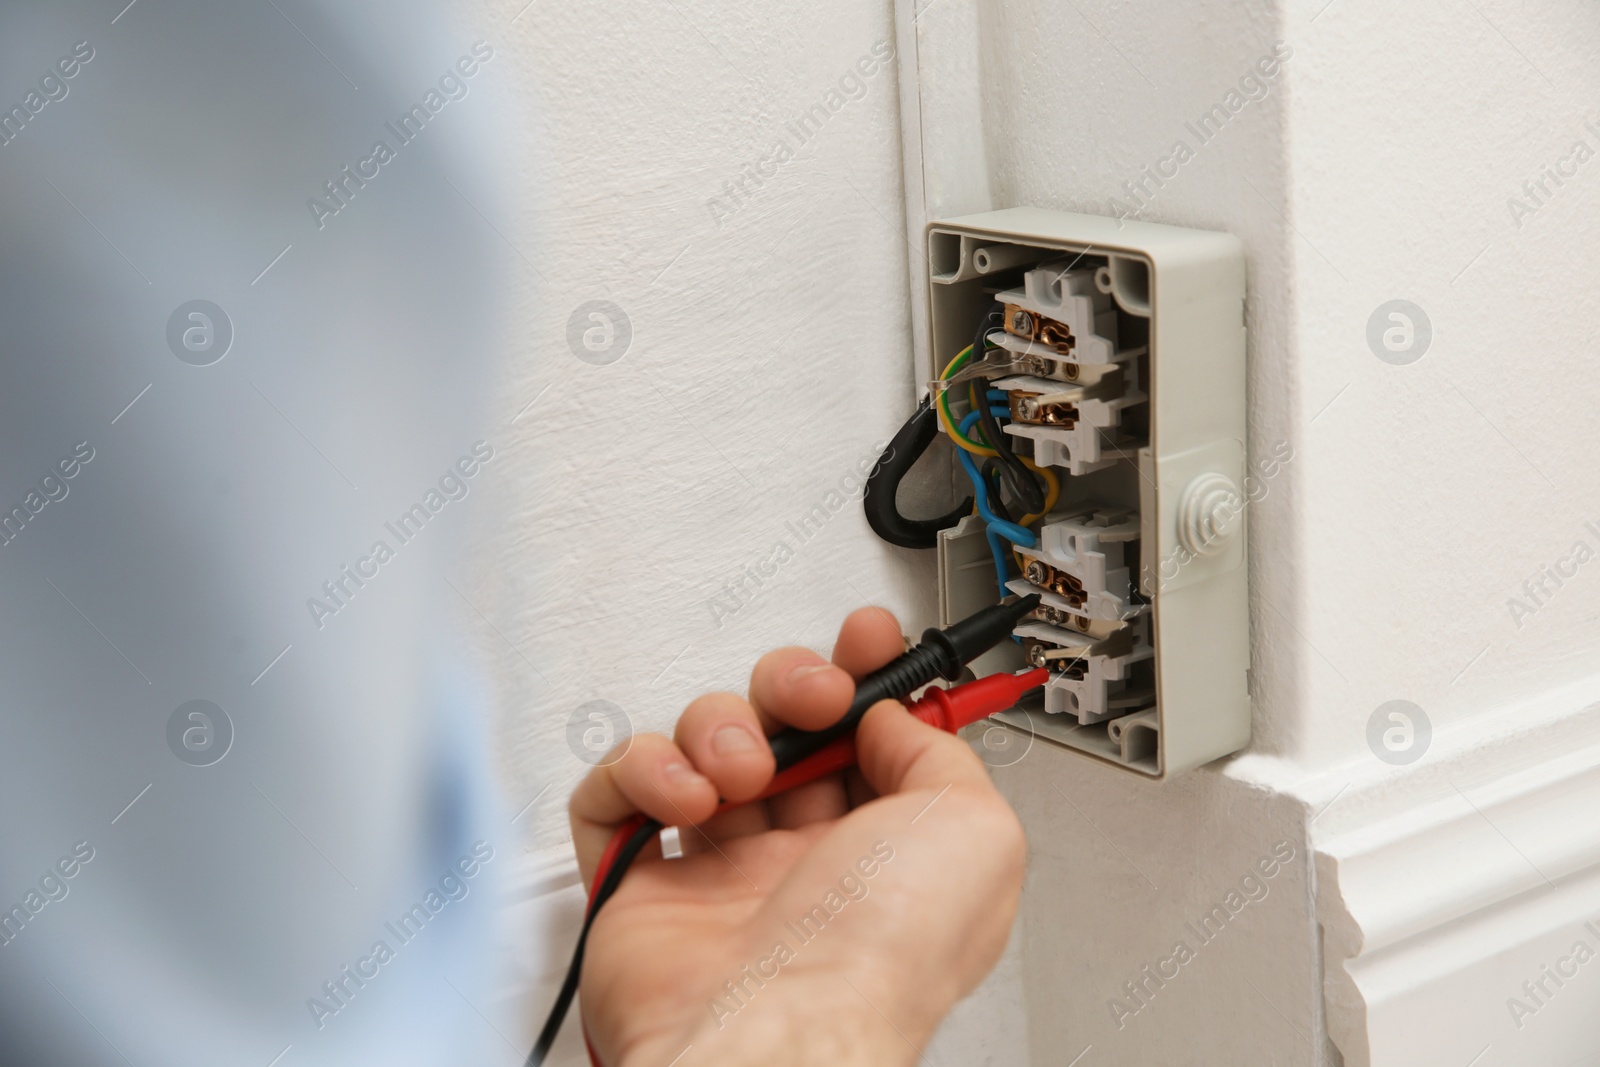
<point>1115,351</point>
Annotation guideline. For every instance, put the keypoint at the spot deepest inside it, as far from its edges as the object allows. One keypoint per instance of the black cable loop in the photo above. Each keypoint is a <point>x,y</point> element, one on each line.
<point>883,484</point>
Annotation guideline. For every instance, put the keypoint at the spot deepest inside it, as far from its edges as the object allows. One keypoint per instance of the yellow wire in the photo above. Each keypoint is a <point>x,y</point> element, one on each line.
<point>955,434</point>
<point>957,363</point>
<point>1052,490</point>
<point>1053,486</point>
<point>947,421</point>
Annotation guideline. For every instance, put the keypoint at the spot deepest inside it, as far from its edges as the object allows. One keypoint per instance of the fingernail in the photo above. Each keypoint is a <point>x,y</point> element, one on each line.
<point>806,669</point>
<point>679,773</point>
<point>733,740</point>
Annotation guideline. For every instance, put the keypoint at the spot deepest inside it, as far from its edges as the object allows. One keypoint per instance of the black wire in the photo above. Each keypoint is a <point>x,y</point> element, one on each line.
<point>569,986</point>
<point>991,477</point>
<point>878,501</point>
<point>1024,486</point>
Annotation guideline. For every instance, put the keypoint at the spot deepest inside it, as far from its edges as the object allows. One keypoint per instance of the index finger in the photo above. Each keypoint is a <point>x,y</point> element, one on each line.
<point>795,687</point>
<point>869,638</point>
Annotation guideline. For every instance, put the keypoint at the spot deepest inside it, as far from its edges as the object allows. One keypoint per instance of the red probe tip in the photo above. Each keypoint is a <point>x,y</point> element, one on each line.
<point>951,709</point>
<point>946,709</point>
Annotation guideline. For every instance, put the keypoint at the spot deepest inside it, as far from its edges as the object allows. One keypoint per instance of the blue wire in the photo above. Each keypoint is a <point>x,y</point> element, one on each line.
<point>996,549</point>
<point>995,527</point>
<point>1020,534</point>
<point>971,418</point>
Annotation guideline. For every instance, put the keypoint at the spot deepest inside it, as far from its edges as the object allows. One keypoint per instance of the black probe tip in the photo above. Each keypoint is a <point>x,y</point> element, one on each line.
<point>941,653</point>
<point>976,634</point>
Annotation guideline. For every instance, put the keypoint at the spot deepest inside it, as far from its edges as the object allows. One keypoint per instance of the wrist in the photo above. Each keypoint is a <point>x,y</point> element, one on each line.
<point>798,1020</point>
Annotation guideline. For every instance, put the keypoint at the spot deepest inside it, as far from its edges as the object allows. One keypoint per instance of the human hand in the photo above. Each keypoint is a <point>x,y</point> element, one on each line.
<point>834,924</point>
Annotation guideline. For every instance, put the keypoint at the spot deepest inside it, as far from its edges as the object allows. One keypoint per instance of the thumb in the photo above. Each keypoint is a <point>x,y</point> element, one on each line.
<point>898,752</point>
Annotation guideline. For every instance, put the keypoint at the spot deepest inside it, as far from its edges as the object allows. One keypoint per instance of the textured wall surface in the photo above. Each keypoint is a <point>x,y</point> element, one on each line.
<point>670,515</point>
<point>1445,156</point>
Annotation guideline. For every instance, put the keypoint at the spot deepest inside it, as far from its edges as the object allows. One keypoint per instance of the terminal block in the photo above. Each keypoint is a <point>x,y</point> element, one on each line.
<point>1111,354</point>
<point>1081,560</point>
<point>1093,679</point>
<point>1079,429</point>
<point>1060,314</point>
<point>1061,326</point>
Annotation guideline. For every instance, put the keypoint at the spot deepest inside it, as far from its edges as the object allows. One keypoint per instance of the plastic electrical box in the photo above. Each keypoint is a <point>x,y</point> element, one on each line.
<point>1120,348</point>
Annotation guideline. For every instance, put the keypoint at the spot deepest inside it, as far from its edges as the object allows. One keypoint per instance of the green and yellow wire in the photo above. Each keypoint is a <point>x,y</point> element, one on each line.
<point>961,440</point>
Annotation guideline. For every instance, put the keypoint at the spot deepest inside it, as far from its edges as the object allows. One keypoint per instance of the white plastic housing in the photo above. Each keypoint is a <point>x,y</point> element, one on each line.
<point>1153,466</point>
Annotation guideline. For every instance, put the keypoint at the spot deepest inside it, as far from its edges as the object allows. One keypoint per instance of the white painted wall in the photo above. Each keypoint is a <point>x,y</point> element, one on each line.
<point>772,350</point>
<point>1425,488</point>
<point>1027,103</point>
<point>1455,880</point>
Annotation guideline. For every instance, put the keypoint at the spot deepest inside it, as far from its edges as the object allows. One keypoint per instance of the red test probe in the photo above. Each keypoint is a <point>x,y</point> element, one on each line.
<point>946,709</point>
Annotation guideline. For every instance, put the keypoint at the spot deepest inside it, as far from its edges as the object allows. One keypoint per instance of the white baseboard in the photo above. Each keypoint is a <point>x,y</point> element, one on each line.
<point>541,872</point>
<point>543,912</point>
<point>1441,890</point>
